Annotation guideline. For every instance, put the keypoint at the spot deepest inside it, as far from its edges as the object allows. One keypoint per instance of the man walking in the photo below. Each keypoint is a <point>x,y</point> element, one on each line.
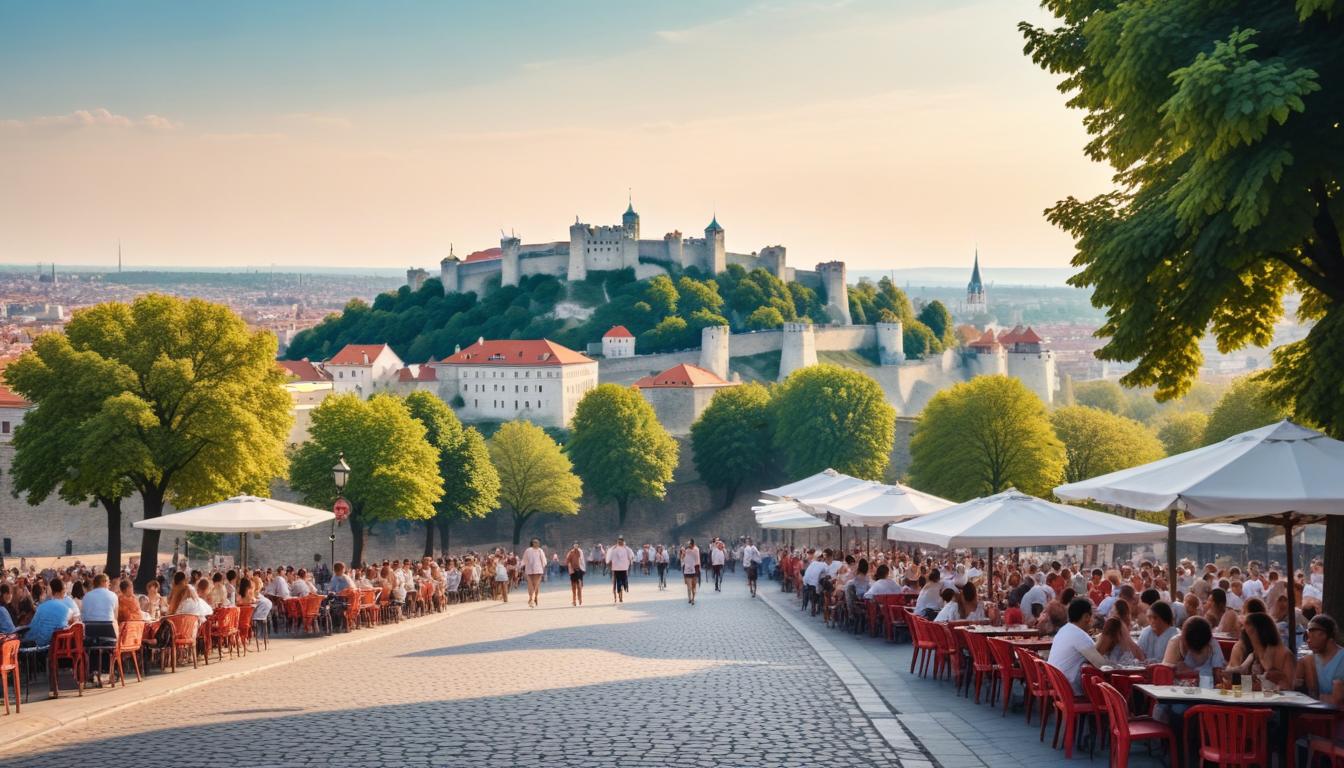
<point>751,559</point>
<point>718,555</point>
<point>660,561</point>
<point>534,567</point>
<point>575,563</point>
<point>619,560</point>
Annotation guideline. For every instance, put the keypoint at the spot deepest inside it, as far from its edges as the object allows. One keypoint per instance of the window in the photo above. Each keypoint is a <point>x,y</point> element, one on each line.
<point>4,427</point>
<point>475,403</point>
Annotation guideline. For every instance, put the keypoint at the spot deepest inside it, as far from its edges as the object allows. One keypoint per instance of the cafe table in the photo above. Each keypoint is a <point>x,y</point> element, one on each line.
<point>992,631</point>
<point>1176,694</point>
<point>1036,644</point>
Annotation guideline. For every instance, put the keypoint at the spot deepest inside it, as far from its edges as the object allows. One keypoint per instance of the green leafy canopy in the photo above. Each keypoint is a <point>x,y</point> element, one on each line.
<point>619,448</point>
<point>832,417</point>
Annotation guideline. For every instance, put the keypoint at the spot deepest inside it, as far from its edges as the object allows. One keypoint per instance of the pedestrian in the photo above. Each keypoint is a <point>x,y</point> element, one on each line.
<point>534,567</point>
<point>660,560</point>
<point>690,568</point>
<point>751,559</point>
<point>501,579</point>
<point>619,560</point>
<point>718,555</point>
<point>576,564</point>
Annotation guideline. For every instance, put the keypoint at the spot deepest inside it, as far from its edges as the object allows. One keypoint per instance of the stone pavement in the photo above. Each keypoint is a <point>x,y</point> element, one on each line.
<point>953,730</point>
<point>653,682</point>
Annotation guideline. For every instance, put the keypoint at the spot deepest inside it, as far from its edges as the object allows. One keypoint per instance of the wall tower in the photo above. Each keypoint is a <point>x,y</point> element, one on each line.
<point>798,349</point>
<point>714,349</point>
<point>890,343</point>
<point>715,253</point>
<point>837,291</point>
<point>448,272</point>
<point>509,247</point>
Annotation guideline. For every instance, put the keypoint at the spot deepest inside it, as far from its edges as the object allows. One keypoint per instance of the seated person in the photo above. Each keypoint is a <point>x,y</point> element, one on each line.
<point>1323,678</point>
<point>882,585</point>
<point>1269,656</point>
<point>1116,645</point>
<point>153,604</point>
<point>1193,650</point>
<point>51,615</point>
<point>1155,637</point>
<point>128,607</point>
<point>340,582</point>
<point>965,605</point>
<point>1073,646</point>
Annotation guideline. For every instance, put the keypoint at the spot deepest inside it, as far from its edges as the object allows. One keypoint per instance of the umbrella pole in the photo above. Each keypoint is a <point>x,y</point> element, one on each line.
<point>1171,552</point>
<point>1292,582</point>
<point>990,566</point>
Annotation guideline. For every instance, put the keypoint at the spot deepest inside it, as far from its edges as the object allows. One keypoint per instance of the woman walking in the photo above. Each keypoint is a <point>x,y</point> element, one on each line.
<point>690,568</point>
<point>575,563</point>
<point>534,567</point>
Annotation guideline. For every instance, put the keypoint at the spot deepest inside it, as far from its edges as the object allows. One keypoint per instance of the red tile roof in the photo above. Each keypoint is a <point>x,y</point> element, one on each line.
<point>618,332</point>
<point>303,370</point>
<point>353,354</point>
<point>486,255</point>
<point>10,400</point>
<point>516,352</point>
<point>986,340</point>
<point>1029,337</point>
<point>425,373</point>
<point>684,375</point>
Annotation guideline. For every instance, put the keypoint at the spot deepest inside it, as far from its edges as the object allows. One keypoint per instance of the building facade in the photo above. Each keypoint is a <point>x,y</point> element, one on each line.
<point>503,380</point>
<point>680,394</point>
<point>618,342</point>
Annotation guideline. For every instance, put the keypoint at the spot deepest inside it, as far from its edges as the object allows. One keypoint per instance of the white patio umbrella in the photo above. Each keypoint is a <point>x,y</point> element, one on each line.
<point>240,514</point>
<point>1282,474</point>
<point>1016,519</point>
<point>823,483</point>
<point>786,516</point>
<point>1212,533</point>
<point>878,505</point>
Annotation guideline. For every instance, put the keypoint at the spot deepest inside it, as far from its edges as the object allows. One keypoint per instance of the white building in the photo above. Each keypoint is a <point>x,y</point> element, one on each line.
<point>308,385</point>
<point>364,369</point>
<point>536,380</point>
<point>12,409</point>
<point>618,342</point>
<point>680,394</point>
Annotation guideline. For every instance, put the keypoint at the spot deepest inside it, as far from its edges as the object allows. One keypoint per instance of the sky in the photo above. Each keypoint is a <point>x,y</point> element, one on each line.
<point>886,133</point>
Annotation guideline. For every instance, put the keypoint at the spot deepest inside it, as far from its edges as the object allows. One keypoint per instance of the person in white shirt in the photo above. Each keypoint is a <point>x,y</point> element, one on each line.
<point>930,600</point>
<point>619,558</point>
<point>278,586</point>
<point>811,582</point>
<point>690,569</point>
<point>300,586</point>
<point>1037,595</point>
<point>751,558</point>
<point>717,557</point>
<point>534,566</point>
<point>883,584</point>
<point>1073,645</point>
<point>99,614</point>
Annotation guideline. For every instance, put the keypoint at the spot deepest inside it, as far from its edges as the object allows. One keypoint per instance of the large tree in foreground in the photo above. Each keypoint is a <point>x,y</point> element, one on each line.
<point>832,417</point>
<point>984,436</point>
<point>732,438</point>
<point>393,468</point>
<point>1222,123</point>
<point>188,407</point>
<point>535,475</point>
<point>619,448</point>
<point>470,482</point>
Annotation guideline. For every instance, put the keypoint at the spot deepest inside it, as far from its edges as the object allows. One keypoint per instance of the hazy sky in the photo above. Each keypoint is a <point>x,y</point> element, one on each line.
<point>891,133</point>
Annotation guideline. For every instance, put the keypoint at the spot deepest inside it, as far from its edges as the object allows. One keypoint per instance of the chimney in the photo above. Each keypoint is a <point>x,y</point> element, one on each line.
<point>365,355</point>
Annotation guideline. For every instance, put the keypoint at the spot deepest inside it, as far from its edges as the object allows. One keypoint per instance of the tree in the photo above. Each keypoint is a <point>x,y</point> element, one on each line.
<point>191,408</point>
<point>1244,406</point>
<point>764,319</point>
<point>732,439</point>
<point>534,474</point>
<point>984,436</point>
<point>470,482</point>
<point>939,320</point>
<point>1221,123</point>
<point>1097,442</point>
<point>1101,393</point>
<point>393,468</point>
<point>832,417</point>
<point>619,448</point>
<point>1182,431</point>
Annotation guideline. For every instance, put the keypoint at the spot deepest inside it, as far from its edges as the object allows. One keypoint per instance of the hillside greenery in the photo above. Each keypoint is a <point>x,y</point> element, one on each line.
<point>665,313</point>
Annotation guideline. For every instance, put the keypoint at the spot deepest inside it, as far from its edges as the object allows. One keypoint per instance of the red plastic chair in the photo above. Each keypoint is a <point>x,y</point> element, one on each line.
<point>1126,730</point>
<point>186,627</point>
<point>896,616</point>
<point>1232,736</point>
<point>1322,746</point>
<point>1067,704</point>
<point>982,664</point>
<point>68,645</point>
<point>9,667</point>
<point>924,646</point>
<point>293,613</point>
<point>351,598</point>
<point>1034,689</point>
<point>1306,725</point>
<point>245,630</point>
<point>312,604</point>
<point>223,631</point>
<point>368,607</point>
<point>130,636</point>
<point>1008,671</point>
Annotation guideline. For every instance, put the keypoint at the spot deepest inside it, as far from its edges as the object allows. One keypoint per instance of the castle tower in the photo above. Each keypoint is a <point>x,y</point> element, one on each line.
<point>716,255</point>
<point>890,343</point>
<point>448,272</point>
<point>415,277</point>
<point>714,349</point>
<point>630,221</point>
<point>798,348</point>
<point>837,291</point>
<point>772,258</point>
<point>977,302</point>
<point>578,237</point>
<point>510,247</point>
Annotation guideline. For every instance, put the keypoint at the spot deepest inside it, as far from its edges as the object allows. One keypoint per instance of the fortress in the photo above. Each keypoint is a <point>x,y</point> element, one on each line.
<point>609,247</point>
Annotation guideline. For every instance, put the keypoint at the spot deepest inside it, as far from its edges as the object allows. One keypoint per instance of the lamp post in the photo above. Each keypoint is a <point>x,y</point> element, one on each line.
<point>339,474</point>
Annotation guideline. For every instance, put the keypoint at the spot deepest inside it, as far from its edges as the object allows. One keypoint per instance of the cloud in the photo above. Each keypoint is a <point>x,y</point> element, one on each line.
<point>90,118</point>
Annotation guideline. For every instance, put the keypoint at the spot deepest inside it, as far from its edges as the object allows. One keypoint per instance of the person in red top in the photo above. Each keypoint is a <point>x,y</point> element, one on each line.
<point>1098,588</point>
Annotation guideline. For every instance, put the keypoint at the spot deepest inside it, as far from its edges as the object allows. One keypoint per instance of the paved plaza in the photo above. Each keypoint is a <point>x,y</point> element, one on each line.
<point>654,682</point>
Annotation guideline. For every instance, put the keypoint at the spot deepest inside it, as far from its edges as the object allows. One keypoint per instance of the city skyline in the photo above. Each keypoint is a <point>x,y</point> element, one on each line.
<point>890,137</point>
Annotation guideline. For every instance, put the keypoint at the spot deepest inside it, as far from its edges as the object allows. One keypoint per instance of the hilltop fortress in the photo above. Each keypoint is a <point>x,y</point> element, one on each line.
<point>609,247</point>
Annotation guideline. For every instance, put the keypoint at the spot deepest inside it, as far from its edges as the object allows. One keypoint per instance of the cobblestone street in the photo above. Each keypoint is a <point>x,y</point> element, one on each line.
<point>654,682</point>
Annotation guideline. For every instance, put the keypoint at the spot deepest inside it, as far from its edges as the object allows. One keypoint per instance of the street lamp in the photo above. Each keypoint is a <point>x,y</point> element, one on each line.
<point>339,474</point>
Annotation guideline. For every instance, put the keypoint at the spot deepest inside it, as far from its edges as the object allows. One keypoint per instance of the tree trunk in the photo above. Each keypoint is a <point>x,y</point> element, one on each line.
<point>429,537</point>
<point>445,523</point>
<point>357,534</point>
<point>1333,599</point>
<point>729,494</point>
<point>622,507</point>
<point>113,509</point>
<point>149,539</point>
<point>519,520</point>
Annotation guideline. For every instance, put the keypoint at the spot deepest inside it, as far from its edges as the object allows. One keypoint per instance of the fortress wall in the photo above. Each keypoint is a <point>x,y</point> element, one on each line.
<point>844,338</point>
<point>644,270</point>
<point>808,277</point>
<point>474,276</point>
<point>754,343</point>
<point>627,370</point>
<point>544,263</point>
